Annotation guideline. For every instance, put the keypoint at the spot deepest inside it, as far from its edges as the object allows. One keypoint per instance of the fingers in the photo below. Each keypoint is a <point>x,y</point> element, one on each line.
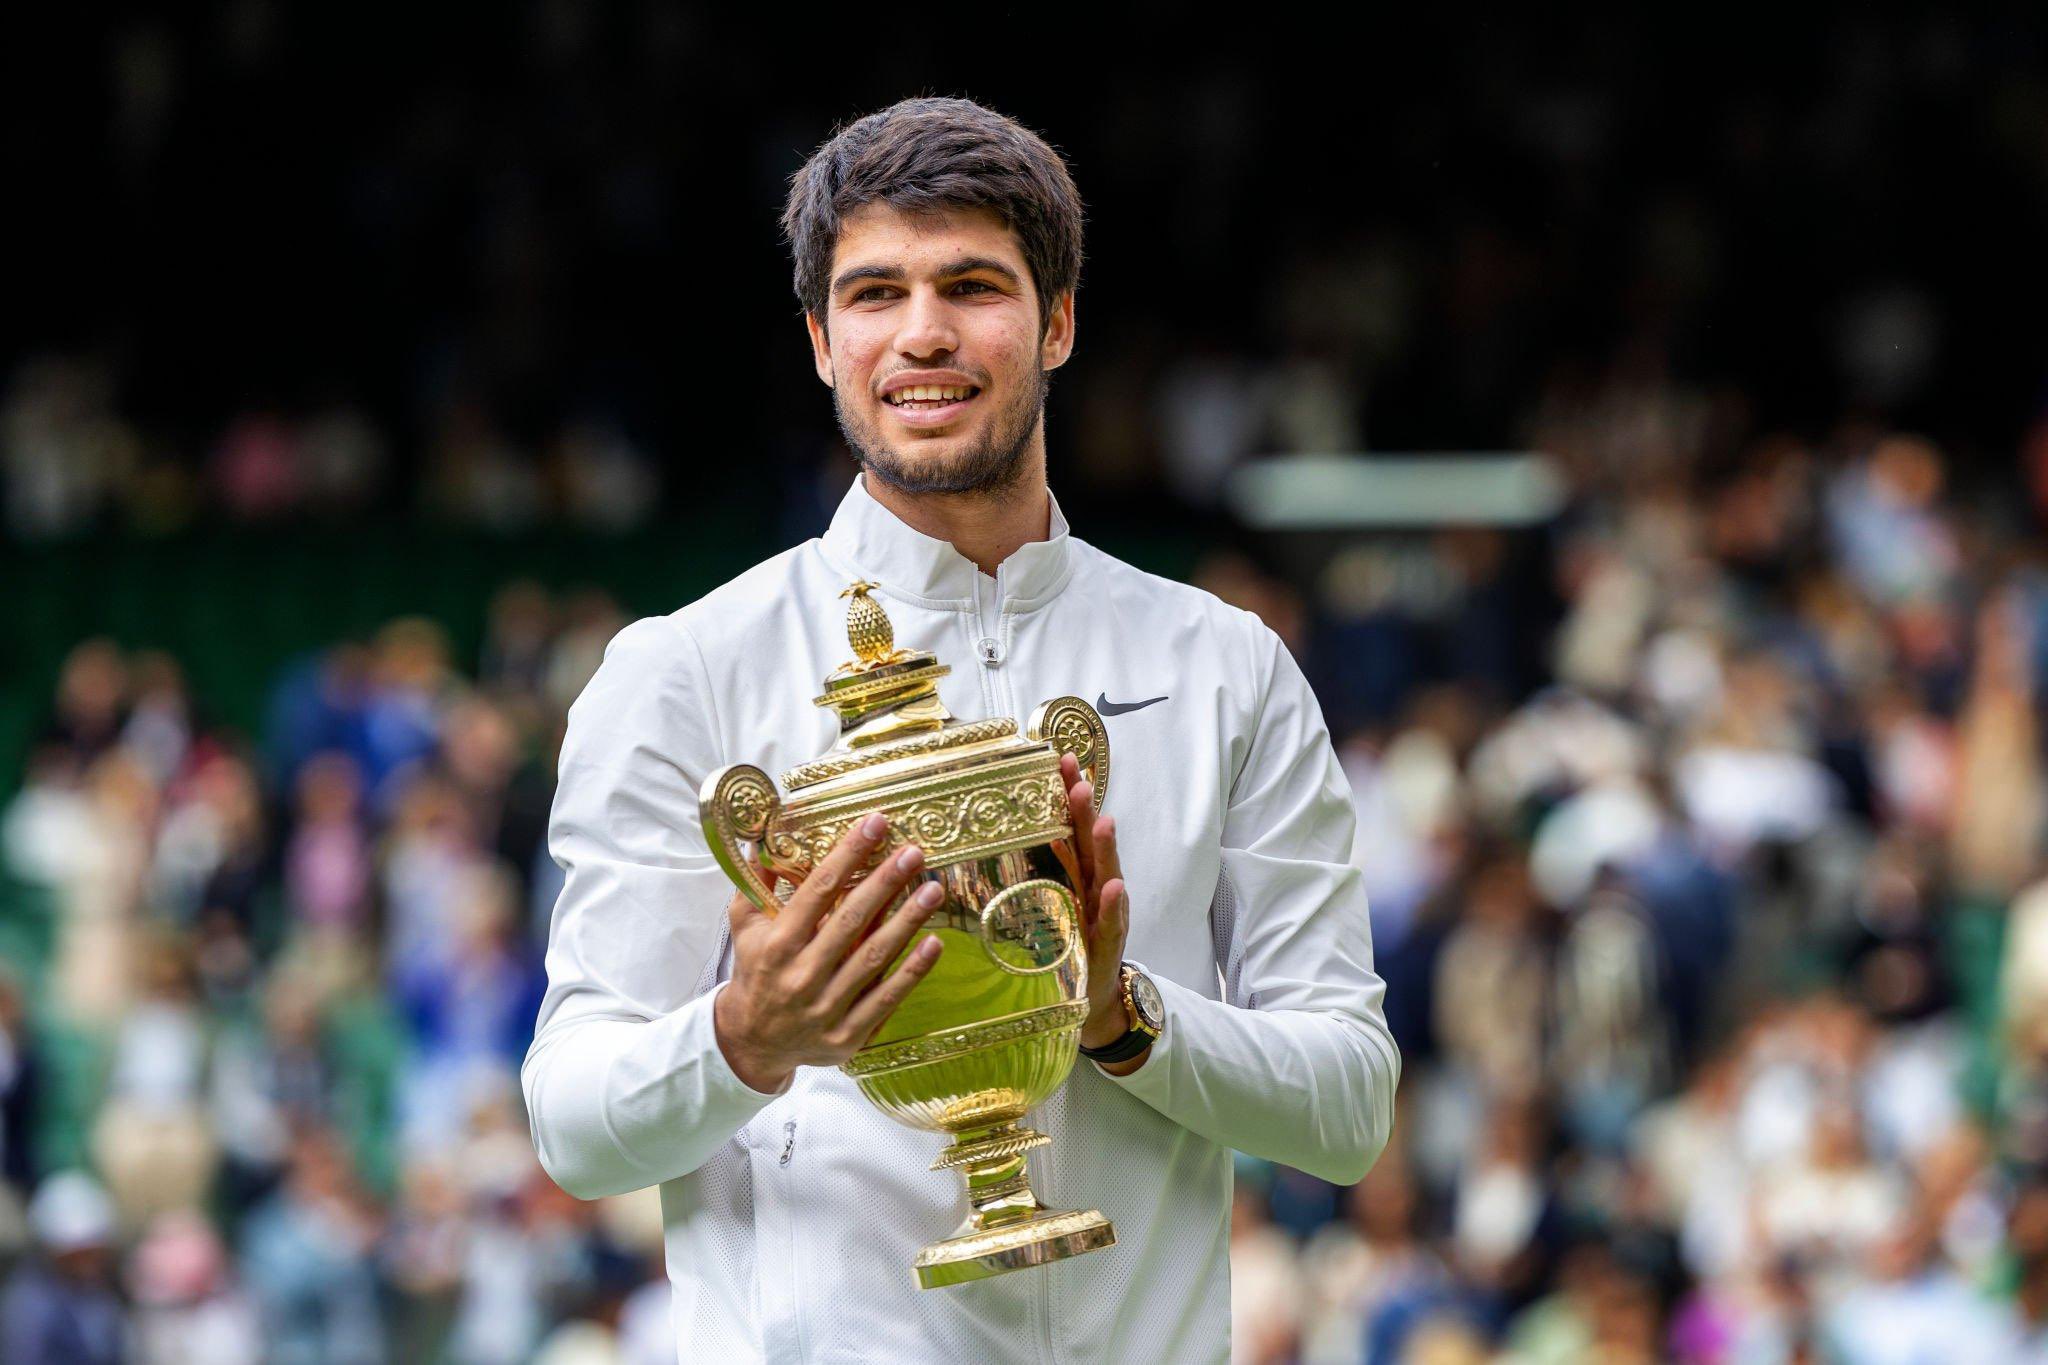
<point>866,961</point>
<point>1081,815</point>
<point>1113,907</point>
<point>879,1003</point>
<point>1107,863</point>
<point>846,921</point>
<point>819,891</point>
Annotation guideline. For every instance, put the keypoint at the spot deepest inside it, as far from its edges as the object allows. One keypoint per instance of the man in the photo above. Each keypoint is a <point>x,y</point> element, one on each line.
<point>688,1040</point>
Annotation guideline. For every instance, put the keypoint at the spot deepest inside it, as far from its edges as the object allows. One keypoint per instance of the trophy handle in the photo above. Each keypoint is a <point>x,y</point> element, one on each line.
<point>736,803</point>
<point>1073,727</point>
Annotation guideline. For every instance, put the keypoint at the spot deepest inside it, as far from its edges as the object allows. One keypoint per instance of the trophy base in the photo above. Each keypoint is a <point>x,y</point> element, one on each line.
<point>1039,1240</point>
<point>1007,1228</point>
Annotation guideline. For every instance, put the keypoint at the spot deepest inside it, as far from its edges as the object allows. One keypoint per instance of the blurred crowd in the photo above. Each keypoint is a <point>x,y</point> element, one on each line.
<point>1702,829</point>
<point>264,1010</point>
<point>71,461</point>
<point>1719,959</point>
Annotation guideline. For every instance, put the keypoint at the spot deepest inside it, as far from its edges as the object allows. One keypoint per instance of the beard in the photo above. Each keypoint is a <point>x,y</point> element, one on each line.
<point>990,465</point>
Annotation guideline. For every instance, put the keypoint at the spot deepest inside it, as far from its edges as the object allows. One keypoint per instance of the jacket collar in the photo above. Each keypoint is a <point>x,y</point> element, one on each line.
<point>867,539</point>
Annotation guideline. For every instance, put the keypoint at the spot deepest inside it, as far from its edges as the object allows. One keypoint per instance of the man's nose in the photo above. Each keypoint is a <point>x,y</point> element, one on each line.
<point>927,325</point>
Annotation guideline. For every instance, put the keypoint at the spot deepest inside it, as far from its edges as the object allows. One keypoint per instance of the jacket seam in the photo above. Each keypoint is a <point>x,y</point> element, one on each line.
<point>704,676</point>
<point>1258,719</point>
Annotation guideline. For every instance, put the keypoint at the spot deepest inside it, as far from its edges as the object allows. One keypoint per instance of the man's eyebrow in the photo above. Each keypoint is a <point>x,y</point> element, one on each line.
<point>966,265</point>
<point>865,272</point>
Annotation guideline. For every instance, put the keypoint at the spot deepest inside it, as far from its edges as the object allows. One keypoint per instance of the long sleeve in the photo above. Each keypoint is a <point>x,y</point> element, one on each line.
<point>625,1083</point>
<point>1296,1064</point>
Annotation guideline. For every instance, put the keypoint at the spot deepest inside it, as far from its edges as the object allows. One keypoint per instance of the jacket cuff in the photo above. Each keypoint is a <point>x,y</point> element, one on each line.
<point>679,1083</point>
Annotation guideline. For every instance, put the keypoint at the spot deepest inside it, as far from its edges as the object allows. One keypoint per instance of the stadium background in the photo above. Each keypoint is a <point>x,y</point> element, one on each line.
<point>363,368</point>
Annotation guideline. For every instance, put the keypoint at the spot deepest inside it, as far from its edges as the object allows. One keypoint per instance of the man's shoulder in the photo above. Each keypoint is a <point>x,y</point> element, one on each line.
<point>723,618</point>
<point>764,597</point>
<point>1168,601</point>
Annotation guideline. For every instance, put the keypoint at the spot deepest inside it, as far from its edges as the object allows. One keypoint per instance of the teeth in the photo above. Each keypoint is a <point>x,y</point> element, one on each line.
<point>930,393</point>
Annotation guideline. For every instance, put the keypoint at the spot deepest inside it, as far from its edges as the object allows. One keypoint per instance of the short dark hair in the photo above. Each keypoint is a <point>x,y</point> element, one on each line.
<point>929,154</point>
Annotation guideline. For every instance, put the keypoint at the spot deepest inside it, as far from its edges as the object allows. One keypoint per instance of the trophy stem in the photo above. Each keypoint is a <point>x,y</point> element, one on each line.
<point>1006,1227</point>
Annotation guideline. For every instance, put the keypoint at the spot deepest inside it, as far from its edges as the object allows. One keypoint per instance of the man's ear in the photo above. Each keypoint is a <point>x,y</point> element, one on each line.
<point>1059,334</point>
<point>821,348</point>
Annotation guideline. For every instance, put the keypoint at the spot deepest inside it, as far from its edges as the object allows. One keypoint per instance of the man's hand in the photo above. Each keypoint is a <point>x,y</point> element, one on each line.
<point>1105,917</point>
<point>803,989</point>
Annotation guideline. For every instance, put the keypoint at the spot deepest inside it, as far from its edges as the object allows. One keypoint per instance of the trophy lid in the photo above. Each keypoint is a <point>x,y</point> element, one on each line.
<point>887,700</point>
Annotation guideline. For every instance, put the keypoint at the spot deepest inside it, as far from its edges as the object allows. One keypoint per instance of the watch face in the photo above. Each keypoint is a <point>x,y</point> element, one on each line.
<point>1145,1000</point>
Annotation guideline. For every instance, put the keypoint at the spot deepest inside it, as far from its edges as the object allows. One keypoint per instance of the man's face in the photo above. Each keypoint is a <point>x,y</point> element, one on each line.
<point>942,301</point>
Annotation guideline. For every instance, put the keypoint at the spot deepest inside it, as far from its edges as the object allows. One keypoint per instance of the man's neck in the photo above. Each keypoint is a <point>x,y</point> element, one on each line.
<point>985,527</point>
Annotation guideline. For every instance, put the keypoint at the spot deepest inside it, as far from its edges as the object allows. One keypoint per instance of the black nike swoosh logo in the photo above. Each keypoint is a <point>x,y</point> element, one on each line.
<point>1114,708</point>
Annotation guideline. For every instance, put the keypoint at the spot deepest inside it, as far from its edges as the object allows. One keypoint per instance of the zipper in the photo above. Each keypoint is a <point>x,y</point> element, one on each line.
<point>988,647</point>
<point>788,1143</point>
<point>776,1243</point>
<point>999,634</point>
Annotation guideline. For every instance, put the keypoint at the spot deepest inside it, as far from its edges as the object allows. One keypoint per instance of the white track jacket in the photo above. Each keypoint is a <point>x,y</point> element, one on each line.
<point>792,1218</point>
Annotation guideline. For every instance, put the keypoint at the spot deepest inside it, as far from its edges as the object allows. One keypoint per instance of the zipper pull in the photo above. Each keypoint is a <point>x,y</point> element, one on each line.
<point>991,652</point>
<point>788,1142</point>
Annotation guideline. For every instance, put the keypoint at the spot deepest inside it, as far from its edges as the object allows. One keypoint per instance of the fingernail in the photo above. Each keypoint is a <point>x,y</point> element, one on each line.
<point>909,858</point>
<point>929,894</point>
<point>928,950</point>
<point>875,825</point>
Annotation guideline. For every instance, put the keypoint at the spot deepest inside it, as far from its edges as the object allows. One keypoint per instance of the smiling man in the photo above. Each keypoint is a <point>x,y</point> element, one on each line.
<point>691,1042</point>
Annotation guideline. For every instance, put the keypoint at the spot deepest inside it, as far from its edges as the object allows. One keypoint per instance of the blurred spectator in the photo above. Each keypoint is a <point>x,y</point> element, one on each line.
<point>60,1308</point>
<point>21,1097</point>
<point>153,1139</point>
<point>307,1249</point>
<point>92,694</point>
<point>63,451</point>
<point>187,1306</point>
<point>271,1078</point>
<point>327,864</point>
<point>470,1001</point>
<point>1265,1291</point>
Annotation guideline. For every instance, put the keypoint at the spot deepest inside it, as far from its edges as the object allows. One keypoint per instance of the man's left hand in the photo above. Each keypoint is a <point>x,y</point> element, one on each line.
<point>1105,917</point>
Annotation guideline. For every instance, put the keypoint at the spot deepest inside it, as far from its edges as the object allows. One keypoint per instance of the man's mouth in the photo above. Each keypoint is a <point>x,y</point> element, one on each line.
<point>925,404</point>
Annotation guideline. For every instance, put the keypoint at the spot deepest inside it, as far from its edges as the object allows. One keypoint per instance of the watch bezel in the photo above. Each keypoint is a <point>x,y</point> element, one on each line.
<point>1148,1007</point>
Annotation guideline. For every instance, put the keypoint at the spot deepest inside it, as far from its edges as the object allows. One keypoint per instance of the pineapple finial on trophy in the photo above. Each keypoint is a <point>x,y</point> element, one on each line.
<point>885,690</point>
<point>868,629</point>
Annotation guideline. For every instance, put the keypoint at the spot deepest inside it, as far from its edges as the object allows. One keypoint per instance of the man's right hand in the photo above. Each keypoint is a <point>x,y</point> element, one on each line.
<point>800,994</point>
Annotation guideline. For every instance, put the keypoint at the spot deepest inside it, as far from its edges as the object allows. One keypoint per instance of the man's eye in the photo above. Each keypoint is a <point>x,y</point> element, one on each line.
<point>877,290</point>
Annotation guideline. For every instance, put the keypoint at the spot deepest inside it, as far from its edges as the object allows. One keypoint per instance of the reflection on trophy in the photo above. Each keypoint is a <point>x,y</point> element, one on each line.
<point>993,1029</point>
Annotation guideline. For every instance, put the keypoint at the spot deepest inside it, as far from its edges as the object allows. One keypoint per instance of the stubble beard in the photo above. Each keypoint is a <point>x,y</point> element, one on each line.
<point>992,465</point>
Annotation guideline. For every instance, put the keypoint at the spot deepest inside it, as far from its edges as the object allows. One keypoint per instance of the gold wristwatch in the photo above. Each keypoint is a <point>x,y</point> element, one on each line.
<point>1147,1013</point>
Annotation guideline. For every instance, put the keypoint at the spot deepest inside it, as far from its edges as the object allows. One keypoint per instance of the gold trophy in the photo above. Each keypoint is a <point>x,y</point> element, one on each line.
<point>994,1028</point>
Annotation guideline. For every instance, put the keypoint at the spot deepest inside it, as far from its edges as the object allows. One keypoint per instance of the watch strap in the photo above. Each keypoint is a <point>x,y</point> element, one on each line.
<point>1122,1050</point>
